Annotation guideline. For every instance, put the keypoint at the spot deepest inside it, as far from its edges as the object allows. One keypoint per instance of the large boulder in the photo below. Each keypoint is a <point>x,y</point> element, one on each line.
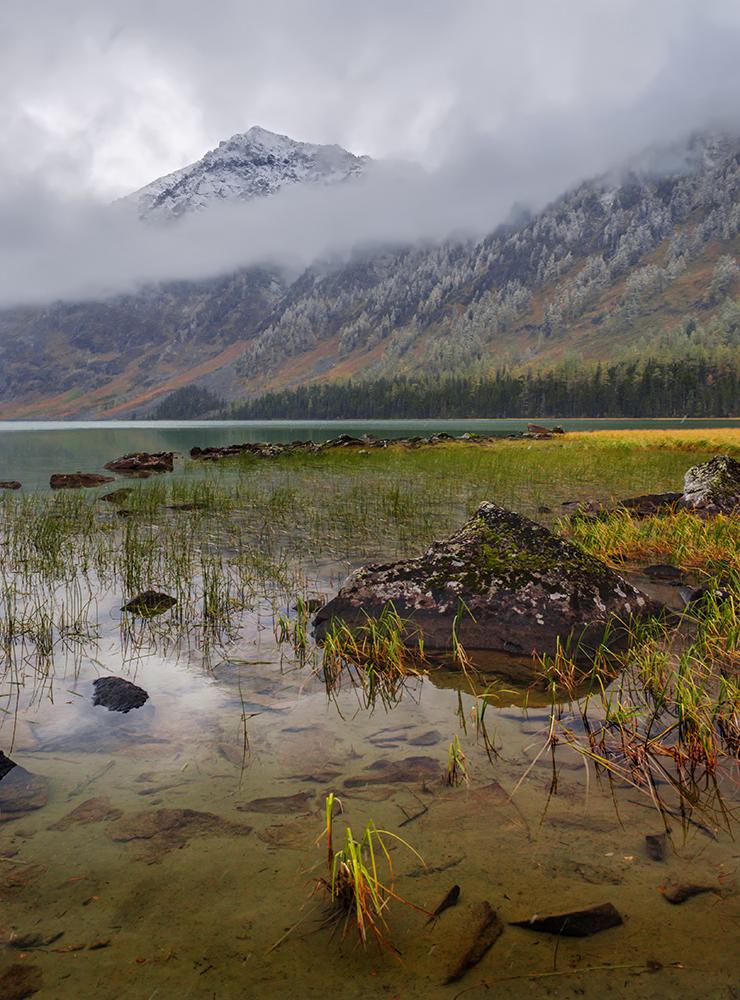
<point>513,586</point>
<point>713,486</point>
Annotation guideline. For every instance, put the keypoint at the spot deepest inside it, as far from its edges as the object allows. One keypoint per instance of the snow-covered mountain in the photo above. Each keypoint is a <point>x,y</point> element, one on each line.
<point>248,165</point>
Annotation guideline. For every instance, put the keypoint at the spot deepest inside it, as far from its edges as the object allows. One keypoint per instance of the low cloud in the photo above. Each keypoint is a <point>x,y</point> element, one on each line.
<point>498,106</point>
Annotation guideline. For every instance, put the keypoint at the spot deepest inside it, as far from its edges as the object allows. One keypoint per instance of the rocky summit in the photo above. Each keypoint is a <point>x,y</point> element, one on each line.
<point>505,583</point>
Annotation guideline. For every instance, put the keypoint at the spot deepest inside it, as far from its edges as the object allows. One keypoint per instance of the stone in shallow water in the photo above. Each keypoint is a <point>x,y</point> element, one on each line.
<point>480,928</point>
<point>20,981</point>
<point>505,583</point>
<point>383,772</point>
<point>300,802</point>
<point>664,571</point>
<point>142,462</point>
<point>77,480</point>
<point>90,811</point>
<point>118,695</point>
<point>577,923</point>
<point>20,791</point>
<point>167,829</point>
<point>149,603</point>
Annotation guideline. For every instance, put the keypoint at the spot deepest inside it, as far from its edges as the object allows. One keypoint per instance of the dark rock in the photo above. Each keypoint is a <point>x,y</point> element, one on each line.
<point>656,845</point>
<point>6,765</point>
<point>664,571</point>
<point>391,772</point>
<point>428,739</point>
<point>95,810</point>
<point>20,791</point>
<point>647,504</point>
<point>165,830</point>
<point>312,604</point>
<point>485,930</point>
<point>117,497</point>
<point>577,923</point>
<point>713,486</point>
<point>118,695</point>
<point>301,802</point>
<point>9,484</point>
<point>708,591</point>
<point>20,981</point>
<point>542,509</point>
<point>525,591</point>
<point>149,603</point>
<point>679,893</point>
<point>77,480</point>
<point>143,462</point>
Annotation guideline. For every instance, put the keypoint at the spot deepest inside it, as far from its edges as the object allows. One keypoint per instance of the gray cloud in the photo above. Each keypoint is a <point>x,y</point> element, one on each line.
<point>499,102</point>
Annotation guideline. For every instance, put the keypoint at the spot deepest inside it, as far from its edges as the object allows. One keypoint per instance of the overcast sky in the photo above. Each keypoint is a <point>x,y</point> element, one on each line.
<point>98,97</point>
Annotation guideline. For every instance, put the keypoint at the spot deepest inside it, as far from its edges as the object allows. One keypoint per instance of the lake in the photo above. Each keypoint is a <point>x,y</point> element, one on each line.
<point>175,850</point>
<point>30,451</point>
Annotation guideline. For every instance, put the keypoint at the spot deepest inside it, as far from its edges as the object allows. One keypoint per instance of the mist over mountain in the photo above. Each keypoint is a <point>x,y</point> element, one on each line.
<point>352,271</point>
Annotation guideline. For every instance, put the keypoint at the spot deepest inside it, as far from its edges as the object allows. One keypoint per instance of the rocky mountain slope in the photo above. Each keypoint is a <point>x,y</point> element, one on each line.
<point>608,267</point>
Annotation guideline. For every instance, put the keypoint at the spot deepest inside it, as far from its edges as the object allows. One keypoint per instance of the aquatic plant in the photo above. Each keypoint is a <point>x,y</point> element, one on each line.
<point>358,896</point>
<point>457,770</point>
<point>380,654</point>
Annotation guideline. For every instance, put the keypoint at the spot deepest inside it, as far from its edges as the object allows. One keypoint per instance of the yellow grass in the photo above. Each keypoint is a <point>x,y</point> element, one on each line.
<point>688,439</point>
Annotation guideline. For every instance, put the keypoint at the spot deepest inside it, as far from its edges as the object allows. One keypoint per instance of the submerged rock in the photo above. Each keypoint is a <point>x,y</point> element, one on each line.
<point>504,582</point>
<point>117,497</point>
<point>19,981</point>
<point>577,923</point>
<point>118,695</point>
<point>479,935</point>
<point>393,772</point>
<point>96,810</point>
<point>9,484</point>
<point>168,829</point>
<point>713,486</point>
<point>20,791</point>
<point>680,892</point>
<point>77,480</point>
<point>664,571</point>
<point>299,803</point>
<point>142,463</point>
<point>656,845</point>
<point>149,603</point>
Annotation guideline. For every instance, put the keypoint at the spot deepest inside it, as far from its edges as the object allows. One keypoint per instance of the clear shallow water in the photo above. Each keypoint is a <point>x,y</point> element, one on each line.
<point>30,451</point>
<point>195,912</point>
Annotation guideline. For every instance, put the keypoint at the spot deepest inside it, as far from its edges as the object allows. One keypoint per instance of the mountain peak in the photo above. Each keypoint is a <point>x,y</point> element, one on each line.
<point>250,164</point>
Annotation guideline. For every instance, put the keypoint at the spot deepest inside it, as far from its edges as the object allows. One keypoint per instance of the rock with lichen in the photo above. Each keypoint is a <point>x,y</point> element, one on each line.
<point>505,583</point>
<point>713,486</point>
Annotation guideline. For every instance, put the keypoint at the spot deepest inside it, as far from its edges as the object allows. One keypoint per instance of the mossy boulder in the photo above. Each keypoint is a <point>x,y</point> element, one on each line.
<point>713,486</point>
<point>506,583</point>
